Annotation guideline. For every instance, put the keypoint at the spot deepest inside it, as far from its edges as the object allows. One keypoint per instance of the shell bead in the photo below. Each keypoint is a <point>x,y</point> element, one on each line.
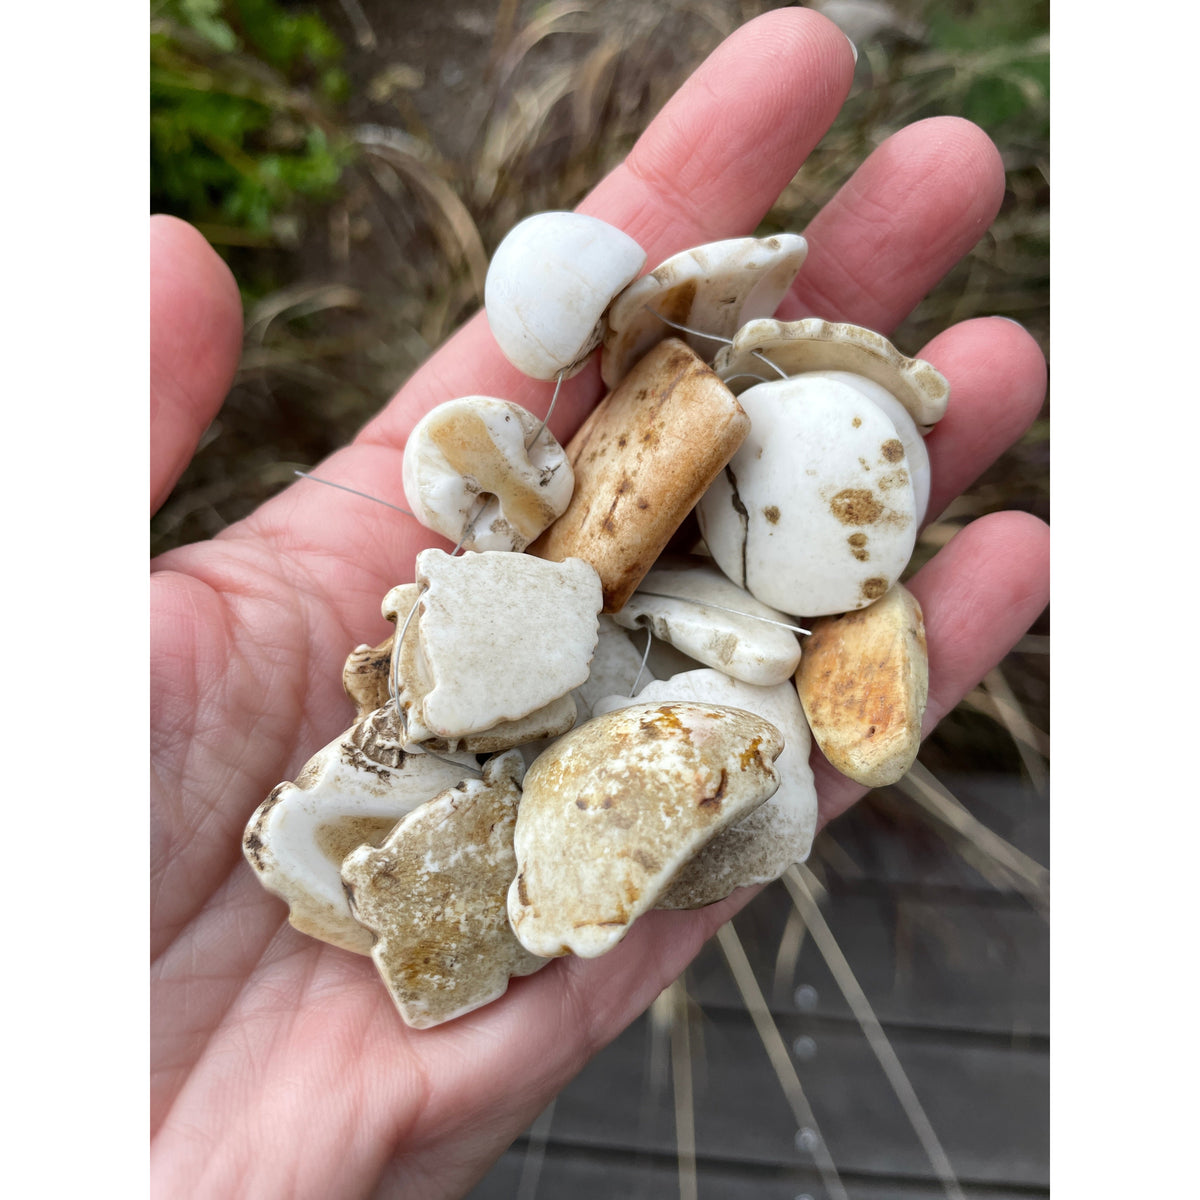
<point>548,287</point>
<point>613,810</point>
<point>815,513</point>
<point>476,448</point>
<point>795,347</point>
<point>809,491</point>
<point>713,289</point>
<point>907,431</point>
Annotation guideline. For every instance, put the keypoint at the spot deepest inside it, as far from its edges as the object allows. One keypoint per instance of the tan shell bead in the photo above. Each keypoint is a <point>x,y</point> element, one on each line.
<point>776,834</point>
<point>485,473</point>
<point>864,683</point>
<point>642,459</point>
<point>797,347</point>
<point>434,896</point>
<point>612,810</point>
<point>365,676</point>
<point>351,792</point>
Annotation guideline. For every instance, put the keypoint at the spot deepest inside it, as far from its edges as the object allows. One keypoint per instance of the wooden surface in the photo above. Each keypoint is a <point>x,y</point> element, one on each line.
<point>957,973</point>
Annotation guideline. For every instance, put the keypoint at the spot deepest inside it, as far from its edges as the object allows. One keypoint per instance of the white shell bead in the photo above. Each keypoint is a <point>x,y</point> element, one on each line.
<point>727,637</point>
<point>476,446</point>
<point>714,289</point>
<point>815,513</point>
<point>906,430</point>
<point>501,635</point>
<point>548,286</point>
<point>795,347</point>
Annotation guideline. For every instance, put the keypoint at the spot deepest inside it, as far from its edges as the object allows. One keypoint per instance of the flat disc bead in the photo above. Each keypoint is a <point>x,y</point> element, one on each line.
<point>815,513</point>
<point>907,430</point>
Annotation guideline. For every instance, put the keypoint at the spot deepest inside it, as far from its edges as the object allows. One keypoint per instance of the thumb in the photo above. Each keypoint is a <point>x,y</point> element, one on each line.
<point>195,344</point>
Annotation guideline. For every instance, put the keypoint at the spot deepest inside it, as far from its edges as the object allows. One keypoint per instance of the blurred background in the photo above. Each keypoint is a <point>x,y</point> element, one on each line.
<point>877,1023</point>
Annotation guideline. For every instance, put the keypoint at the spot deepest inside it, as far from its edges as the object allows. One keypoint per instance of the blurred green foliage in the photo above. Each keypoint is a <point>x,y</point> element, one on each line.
<point>243,97</point>
<point>1000,55</point>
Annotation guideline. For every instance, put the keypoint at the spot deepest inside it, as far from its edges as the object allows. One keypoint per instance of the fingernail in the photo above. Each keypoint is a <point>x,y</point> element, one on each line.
<point>997,317</point>
<point>853,49</point>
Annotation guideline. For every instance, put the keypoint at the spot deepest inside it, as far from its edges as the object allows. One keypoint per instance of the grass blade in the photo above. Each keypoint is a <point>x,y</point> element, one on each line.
<point>1020,728</point>
<point>681,1075</point>
<point>777,1052</point>
<point>535,1154</point>
<point>449,217</point>
<point>798,880</point>
<point>1025,874</point>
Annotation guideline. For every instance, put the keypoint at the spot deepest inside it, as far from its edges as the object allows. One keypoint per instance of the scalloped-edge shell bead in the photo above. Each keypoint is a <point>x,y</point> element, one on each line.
<point>763,844</point>
<point>351,792</point>
<point>501,635</point>
<point>816,345</point>
<point>434,895</point>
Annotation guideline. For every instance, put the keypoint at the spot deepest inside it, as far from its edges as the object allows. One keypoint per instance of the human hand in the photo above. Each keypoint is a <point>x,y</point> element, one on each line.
<point>279,1063</point>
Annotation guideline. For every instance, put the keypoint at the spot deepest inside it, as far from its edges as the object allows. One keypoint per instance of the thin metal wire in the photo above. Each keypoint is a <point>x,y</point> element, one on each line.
<point>645,659</point>
<point>715,337</point>
<point>450,761</point>
<point>393,692</point>
<point>778,370</point>
<point>549,411</point>
<point>394,671</point>
<point>469,528</point>
<point>353,491</point>
<point>480,504</point>
<point>737,612</point>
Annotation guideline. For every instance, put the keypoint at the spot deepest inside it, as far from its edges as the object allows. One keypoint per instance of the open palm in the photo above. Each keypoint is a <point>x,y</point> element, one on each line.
<point>280,1066</point>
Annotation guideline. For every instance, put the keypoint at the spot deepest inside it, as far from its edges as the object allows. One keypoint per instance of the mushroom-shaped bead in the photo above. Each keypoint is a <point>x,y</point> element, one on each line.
<point>815,513</point>
<point>476,447</point>
<point>548,286</point>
